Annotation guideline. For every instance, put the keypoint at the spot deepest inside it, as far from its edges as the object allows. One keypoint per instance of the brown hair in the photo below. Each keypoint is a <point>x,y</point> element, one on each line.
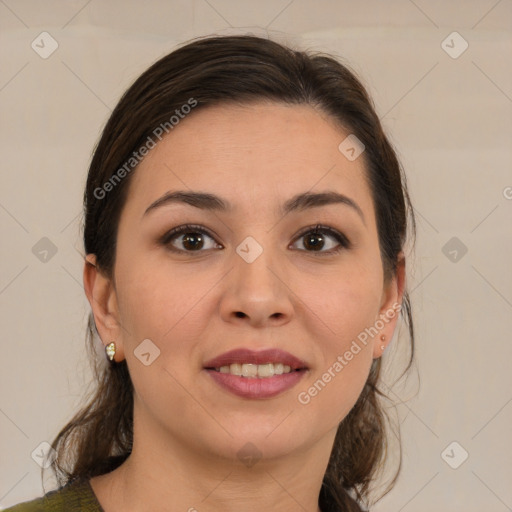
<point>212,71</point>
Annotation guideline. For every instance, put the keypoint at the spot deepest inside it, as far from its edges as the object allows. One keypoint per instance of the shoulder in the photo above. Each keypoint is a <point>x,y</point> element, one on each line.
<point>75,496</point>
<point>36,505</point>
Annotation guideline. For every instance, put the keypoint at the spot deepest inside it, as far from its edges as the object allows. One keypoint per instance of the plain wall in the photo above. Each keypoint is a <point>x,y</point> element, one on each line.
<point>451,122</point>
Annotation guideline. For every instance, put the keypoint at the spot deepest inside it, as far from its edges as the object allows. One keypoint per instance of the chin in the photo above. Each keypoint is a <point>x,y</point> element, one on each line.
<point>249,442</point>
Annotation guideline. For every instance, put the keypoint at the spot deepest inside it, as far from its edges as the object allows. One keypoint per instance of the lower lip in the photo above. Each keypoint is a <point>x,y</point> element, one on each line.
<point>248,387</point>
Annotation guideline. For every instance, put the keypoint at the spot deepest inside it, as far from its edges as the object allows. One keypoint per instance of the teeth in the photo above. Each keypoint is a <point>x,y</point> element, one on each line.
<point>235,369</point>
<point>266,370</point>
<point>255,370</point>
<point>249,370</point>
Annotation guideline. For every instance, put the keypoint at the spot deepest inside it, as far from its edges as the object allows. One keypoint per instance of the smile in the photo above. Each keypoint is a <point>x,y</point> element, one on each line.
<point>261,371</point>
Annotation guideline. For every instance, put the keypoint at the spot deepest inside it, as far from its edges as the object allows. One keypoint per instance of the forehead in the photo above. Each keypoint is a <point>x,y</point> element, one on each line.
<point>251,155</point>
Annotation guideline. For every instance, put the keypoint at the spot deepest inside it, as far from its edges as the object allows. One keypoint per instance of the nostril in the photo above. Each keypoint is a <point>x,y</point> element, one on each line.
<point>240,314</point>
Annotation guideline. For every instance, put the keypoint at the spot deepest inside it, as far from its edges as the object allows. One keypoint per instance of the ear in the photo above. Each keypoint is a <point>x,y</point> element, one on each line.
<point>391,304</point>
<point>102,297</point>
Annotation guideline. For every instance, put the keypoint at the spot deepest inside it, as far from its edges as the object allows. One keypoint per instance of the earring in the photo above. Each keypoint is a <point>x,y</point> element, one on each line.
<point>383,338</point>
<point>110,349</point>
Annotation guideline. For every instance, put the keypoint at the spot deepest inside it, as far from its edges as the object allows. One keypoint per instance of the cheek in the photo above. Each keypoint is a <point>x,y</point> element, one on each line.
<point>345,355</point>
<point>166,308</point>
<point>340,313</point>
<point>163,303</point>
<point>340,304</point>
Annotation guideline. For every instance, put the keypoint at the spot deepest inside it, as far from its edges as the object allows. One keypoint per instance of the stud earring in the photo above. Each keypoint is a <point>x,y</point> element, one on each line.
<point>383,338</point>
<point>110,349</point>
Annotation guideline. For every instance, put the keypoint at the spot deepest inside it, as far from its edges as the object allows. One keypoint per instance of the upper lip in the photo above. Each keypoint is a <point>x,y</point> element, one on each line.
<point>244,355</point>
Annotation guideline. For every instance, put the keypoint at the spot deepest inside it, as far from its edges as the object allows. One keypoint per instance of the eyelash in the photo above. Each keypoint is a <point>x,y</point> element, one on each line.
<point>344,242</point>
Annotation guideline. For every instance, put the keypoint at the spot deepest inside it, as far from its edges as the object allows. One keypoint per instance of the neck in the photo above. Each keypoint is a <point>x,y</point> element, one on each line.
<point>170,477</point>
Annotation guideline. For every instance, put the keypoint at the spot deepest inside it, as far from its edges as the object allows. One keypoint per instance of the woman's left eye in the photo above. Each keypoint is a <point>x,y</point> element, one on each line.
<point>315,238</point>
<point>194,238</point>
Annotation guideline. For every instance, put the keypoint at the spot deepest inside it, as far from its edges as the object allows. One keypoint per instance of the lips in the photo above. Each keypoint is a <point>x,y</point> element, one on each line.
<point>246,356</point>
<point>235,372</point>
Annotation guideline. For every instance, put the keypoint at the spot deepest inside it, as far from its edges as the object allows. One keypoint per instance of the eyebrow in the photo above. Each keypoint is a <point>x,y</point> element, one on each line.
<point>299,202</point>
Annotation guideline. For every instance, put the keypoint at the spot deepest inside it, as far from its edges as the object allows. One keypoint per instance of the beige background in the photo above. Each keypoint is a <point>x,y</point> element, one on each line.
<point>451,121</point>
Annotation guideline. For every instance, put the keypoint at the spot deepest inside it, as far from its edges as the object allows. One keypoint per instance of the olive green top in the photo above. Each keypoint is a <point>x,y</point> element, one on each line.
<point>76,496</point>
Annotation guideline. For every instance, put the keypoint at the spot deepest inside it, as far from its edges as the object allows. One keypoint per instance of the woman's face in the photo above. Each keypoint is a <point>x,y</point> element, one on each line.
<point>254,275</point>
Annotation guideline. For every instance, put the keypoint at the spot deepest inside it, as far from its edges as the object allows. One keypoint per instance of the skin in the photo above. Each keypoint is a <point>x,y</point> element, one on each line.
<point>188,430</point>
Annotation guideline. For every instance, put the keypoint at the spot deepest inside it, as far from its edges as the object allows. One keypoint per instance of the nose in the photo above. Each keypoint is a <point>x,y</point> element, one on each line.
<point>257,293</point>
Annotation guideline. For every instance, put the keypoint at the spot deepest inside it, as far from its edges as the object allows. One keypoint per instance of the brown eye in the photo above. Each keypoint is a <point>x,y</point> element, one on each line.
<point>193,241</point>
<point>319,237</point>
<point>189,238</point>
<point>314,241</point>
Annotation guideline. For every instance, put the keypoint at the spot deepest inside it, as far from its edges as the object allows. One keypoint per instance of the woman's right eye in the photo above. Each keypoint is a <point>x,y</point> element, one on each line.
<point>191,238</point>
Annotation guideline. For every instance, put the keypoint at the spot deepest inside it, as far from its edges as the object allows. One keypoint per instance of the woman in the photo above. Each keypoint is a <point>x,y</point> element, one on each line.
<point>245,222</point>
